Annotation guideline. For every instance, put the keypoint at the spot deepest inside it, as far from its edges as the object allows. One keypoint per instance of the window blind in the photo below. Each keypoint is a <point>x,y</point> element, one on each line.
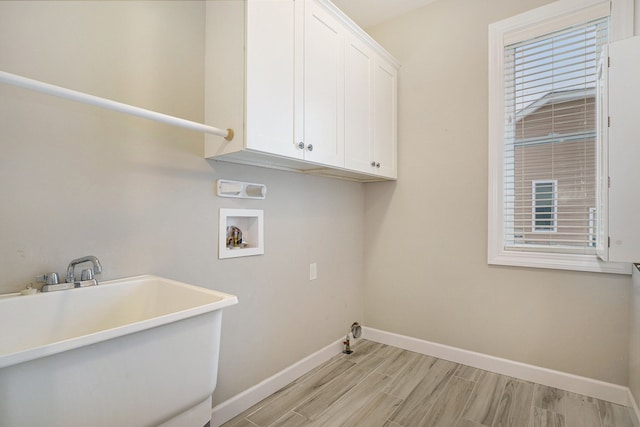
<point>550,130</point>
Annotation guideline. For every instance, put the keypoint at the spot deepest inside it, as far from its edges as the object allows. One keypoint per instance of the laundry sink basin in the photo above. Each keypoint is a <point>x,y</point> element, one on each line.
<point>141,351</point>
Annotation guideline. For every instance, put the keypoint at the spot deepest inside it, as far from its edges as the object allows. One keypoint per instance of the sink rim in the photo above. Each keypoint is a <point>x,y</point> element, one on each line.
<point>36,352</point>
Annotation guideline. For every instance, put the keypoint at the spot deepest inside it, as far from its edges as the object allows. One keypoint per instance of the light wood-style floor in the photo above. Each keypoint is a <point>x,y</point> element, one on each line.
<point>379,385</point>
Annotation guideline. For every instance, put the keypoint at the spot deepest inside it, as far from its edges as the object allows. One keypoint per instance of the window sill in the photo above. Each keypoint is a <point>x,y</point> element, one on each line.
<point>557,261</point>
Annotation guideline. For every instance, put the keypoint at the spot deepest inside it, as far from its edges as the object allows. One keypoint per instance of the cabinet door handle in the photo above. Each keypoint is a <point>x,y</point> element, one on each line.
<point>310,147</point>
<point>373,163</point>
<point>378,165</point>
<point>301,145</point>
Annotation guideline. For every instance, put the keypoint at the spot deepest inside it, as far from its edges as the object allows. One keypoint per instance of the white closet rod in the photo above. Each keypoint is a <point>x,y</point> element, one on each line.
<point>62,92</point>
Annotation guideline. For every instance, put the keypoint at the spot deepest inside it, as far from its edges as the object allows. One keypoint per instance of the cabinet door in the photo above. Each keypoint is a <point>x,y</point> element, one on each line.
<point>385,83</point>
<point>270,54</point>
<point>624,150</point>
<point>323,86</point>
<point>358,103</point>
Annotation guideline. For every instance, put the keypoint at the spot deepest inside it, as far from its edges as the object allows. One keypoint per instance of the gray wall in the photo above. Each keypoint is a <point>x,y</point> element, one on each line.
<point>426,269</point>
<point>77,180</point>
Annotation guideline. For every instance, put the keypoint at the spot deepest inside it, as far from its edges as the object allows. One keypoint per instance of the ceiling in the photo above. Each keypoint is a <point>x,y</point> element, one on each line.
<point>368,13</point>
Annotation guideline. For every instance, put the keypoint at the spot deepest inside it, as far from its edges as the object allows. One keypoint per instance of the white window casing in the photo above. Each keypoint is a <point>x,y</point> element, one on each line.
<point>523,248</point>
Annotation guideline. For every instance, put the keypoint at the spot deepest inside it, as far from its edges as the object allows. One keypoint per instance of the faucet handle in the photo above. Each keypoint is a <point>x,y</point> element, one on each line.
<point>49,279</point>
<point>87,274</point>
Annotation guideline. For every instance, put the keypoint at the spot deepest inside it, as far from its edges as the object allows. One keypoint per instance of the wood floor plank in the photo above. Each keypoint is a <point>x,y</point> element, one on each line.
<point>334,390</point>
<point>468,372</point>
<point>633,416</point>
<point>239,422</point>
<point>468,423</point>
<point>549,398</point>
<point>263,403</point>
<point>292,396</point>
<point>284,390</point>
<point>581,411</point>
<point>363,350</point>
<point>409,376</point>
<point>375,412</point>
<point>514,408</point>
<point>546,418</point>
<point>446,411</point>
<point>425,394</point>
<point>521,411</point>
<point>483,402</point>
<point>394,363</point>
<point>335,359</point>
<point>339,413</point>
<point>291,419</point>
<point>613,415</point>
<point>389,351</point>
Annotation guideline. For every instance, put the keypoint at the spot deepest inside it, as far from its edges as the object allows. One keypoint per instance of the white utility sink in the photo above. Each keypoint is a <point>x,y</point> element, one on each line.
<point>141,351</point>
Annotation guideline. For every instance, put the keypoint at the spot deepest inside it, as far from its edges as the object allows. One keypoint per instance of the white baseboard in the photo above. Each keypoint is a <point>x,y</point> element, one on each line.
<point>236,405</point>
<point>589,387</point>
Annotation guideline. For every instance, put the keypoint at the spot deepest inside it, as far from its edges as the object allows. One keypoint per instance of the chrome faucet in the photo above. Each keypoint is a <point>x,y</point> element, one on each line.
<point>51,281</point>
<point>87,277</point>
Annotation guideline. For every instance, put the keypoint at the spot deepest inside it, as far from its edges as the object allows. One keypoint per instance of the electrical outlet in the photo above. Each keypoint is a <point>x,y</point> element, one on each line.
<point>313,271</point>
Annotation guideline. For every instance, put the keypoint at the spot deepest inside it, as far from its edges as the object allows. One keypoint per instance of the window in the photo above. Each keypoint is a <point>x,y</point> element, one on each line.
<point>592,227</point>
<point>544,207</point>
<point>542,114</point>
<point>550,131</point>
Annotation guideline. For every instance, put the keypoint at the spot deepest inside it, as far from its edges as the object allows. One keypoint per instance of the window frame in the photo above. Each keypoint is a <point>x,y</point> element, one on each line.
<point>542,20</point>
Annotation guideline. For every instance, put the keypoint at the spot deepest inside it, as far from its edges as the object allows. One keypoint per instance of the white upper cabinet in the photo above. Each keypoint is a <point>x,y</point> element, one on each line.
<point>385,83</point>
<point>303,88</point>
<point>269,83</point>
<point>249,78</point>
<point>323,105</point>
<point>358,106</point>
<point>619,161</point>
<point>370,110</point>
